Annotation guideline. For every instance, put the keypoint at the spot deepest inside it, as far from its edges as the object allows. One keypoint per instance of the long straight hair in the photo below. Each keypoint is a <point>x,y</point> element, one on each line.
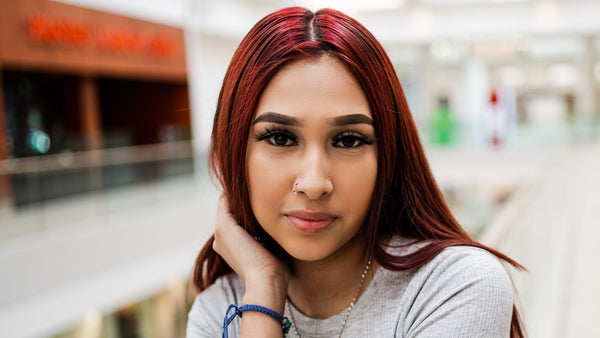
<point>406,200</point>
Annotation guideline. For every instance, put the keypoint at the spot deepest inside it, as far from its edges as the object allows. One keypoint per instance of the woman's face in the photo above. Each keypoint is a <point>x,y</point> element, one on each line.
<point>312,132</point>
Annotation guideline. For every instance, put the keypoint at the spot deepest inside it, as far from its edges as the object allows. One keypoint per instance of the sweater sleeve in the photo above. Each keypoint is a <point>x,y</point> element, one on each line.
<point>205,318</point>
<point>464,292</point>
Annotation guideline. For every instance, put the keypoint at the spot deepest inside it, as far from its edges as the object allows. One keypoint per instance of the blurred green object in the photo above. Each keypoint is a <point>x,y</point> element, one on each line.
<point>442,124</point>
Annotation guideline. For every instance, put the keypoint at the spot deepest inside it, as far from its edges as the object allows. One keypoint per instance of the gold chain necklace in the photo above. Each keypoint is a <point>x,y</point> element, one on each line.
<point>362,281</point>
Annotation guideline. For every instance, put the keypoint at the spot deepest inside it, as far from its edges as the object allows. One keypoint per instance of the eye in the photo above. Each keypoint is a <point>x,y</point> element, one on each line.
<point>351,140</point>
<point>278,138</point>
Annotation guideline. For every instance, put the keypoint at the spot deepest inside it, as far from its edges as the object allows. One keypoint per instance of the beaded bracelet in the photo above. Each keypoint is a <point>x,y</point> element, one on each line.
<point>285,323</point>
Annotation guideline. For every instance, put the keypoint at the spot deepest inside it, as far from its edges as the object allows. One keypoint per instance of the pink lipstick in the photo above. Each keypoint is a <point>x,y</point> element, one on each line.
<point>310,222</point>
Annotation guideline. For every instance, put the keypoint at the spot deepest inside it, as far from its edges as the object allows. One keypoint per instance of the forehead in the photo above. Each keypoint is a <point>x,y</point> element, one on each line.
<point>322,86</point>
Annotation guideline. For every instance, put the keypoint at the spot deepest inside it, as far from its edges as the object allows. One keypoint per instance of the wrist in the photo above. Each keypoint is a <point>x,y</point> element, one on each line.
<point>253,323</point>
<point>269,293</point>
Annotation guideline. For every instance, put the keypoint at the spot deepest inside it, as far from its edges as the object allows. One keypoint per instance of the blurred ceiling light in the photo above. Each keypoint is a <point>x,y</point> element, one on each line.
<point>421,17</point>
<point>445,50</point>
<point>546,12</point>
<point>441,48</point>
<point>465,2</point>
<point>354,5</point>
<point>537,76</point>
<point>555,47</point>
<point>512,76</point>
<point>499,49</point>
<point>563,75</point>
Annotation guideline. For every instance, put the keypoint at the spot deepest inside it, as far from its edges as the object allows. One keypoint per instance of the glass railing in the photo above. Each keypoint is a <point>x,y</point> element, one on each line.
<point>39,193</point>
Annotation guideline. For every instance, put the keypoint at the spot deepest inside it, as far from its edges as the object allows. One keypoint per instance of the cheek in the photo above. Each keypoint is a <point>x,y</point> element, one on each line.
<point>356,184</point>
<point>266,182</point>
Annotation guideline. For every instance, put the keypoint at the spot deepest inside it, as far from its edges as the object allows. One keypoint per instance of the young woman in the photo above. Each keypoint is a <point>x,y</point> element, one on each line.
<point>330,216</point>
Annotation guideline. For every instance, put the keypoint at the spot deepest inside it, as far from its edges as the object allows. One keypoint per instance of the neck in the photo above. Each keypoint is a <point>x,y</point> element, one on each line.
<point>321,289</point>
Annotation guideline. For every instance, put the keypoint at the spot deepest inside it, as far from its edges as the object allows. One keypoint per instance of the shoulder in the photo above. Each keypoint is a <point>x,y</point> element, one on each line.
<point>454,263</point>
<point>462,290</point>
<point>205,318</point>
<point>465,256</point>
<point>466,271</point>
<point>472,265</point>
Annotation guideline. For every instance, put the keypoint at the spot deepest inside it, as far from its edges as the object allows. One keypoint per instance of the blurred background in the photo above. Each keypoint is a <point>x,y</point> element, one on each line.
<point>106,108</point>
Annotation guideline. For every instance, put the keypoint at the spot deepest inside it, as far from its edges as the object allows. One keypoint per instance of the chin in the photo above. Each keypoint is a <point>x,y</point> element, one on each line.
<point>306,256</point>
<point>307,252</point>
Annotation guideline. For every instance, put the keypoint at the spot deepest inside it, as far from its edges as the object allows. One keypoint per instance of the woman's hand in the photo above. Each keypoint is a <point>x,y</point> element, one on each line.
<point>265,277</point>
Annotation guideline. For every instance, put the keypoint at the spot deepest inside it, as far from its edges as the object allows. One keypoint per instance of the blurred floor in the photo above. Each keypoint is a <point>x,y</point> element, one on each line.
<point>554,231</point>
<point>132,244</point>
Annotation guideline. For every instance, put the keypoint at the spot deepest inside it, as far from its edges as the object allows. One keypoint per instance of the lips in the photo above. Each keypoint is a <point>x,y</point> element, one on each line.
<point>310,222</point>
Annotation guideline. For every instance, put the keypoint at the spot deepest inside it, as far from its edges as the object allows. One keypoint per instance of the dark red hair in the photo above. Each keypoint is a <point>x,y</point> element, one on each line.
<point>406,200</point>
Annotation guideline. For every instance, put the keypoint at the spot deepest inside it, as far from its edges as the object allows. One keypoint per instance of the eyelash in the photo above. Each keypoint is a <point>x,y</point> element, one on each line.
<point>362,139</point>
<point>270,133</point>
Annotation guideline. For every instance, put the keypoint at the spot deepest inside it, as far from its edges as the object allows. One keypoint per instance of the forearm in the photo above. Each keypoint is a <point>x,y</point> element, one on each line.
<point>265,277</point>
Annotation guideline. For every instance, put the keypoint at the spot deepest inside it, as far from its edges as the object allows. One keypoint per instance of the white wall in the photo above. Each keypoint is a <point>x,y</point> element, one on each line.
<point>207,57</point>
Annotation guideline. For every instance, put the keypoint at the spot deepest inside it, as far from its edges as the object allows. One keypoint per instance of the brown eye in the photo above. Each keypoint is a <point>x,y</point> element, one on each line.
<point>280,139</point>
<point>351,140</point>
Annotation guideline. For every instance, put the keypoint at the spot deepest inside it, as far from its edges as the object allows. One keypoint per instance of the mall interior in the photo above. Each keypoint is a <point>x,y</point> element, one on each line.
<point>106,111</point>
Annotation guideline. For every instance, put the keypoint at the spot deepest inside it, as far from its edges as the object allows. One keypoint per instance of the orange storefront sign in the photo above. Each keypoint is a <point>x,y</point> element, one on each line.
<point>78,34</point>
<point>57,37</point>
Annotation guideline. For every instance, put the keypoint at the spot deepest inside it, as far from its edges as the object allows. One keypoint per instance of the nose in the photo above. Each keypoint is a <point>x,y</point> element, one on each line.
<point>314,180</point>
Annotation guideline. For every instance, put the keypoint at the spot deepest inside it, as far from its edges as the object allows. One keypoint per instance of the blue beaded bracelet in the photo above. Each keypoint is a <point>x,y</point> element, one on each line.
<point>285,323</point>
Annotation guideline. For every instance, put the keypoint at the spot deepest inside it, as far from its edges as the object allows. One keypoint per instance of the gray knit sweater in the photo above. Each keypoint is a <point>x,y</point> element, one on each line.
<point>462,292</point>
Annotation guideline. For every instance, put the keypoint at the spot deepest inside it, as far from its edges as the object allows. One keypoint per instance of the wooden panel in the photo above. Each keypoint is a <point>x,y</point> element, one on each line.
<point>90,113</point>
<point>5,186</point>
<point>3,127</point>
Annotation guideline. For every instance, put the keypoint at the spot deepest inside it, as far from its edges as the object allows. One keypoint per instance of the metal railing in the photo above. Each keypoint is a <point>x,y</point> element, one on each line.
<point>97,158</point>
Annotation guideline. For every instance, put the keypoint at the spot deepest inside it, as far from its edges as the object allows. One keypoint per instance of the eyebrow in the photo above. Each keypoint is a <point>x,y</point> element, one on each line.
<point>352,119</point>
<point>292,121</point>
<point>277,118</point>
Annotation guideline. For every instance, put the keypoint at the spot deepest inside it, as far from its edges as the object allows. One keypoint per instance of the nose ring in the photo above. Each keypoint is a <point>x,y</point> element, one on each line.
<point>294,188</point>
